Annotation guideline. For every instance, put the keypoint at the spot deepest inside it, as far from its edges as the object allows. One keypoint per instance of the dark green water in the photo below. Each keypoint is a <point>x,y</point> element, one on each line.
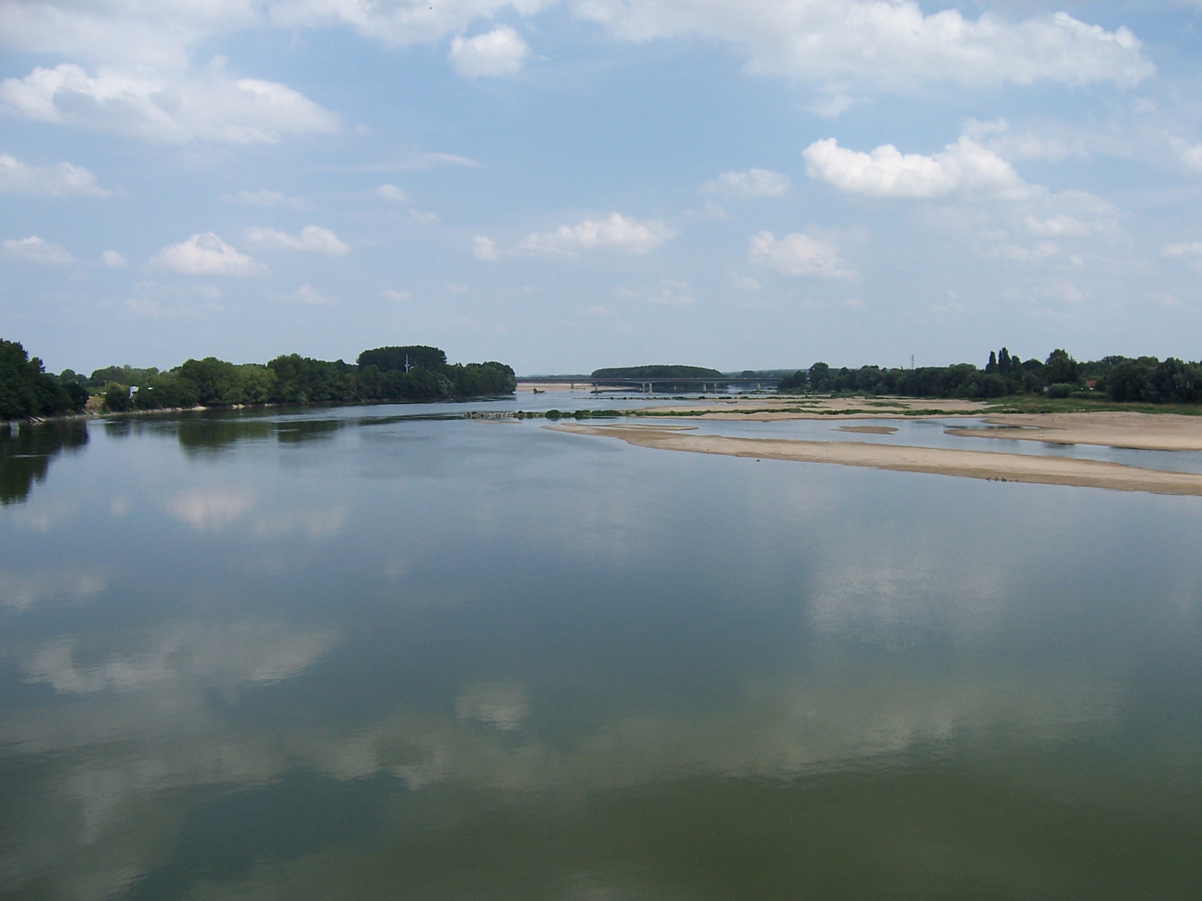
<point>334,654</point>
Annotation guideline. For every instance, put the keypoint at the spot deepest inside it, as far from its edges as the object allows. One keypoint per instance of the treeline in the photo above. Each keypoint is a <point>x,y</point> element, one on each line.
<point>27,390</point>
<point>1117,378</point>
<point>415,372</point>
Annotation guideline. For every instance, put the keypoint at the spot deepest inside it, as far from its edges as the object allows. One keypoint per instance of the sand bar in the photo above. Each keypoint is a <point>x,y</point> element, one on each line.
<point>937,461</point>
<point>869,429</point>
<point>1139,431</point>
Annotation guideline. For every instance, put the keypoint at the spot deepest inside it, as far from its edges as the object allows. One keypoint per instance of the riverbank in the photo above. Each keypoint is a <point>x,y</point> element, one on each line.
<point>987,465</point>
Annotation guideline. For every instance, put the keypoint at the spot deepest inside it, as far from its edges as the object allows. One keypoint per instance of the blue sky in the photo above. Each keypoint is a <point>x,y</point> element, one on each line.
<point>567,185</point>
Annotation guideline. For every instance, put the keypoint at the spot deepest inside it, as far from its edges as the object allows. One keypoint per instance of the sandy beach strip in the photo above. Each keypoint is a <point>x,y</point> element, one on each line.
<point>936,461</point>
<point>1137,431</point>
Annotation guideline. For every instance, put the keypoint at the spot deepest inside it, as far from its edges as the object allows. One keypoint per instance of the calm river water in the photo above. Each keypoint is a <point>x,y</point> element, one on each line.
<point>347,654</point>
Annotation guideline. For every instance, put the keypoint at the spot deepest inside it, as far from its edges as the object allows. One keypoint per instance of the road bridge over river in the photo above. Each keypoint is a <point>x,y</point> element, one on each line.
<point>703,385</point>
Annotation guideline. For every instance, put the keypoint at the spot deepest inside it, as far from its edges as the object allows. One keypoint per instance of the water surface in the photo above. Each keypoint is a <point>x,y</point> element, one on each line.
<point>352,654</point>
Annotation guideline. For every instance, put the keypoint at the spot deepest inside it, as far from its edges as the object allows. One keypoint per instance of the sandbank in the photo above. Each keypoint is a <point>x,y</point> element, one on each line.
<point>987,465</point>
<point>1139,431</point>
<point>869,429</point>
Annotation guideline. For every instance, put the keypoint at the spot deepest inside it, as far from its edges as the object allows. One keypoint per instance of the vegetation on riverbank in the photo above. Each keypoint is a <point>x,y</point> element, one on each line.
<point>1144,380</point>
<point>414,372</point>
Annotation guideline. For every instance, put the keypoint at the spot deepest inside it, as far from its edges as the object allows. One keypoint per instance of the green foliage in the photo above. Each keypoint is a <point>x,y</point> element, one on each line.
<point>116,398</point>
<point>125,375</point>
<point>404,359</point>
<point>165,391</point>
<point>798,381</point>
<point>1060,369</point>
<point>27,390</point>
<point>1145,380</point>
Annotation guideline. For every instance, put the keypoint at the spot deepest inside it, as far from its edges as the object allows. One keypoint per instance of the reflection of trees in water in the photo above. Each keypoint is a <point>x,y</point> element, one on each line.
<point>209,433</point>
<point>25,457</point>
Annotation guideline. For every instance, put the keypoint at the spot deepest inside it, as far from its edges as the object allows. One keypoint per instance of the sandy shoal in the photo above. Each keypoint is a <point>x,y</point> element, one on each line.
<point>937,461</point>
<point>1139,431</point>
<point>771,408</point>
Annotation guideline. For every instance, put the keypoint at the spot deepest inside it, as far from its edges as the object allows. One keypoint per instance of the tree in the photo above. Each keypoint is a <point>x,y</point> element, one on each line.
<point>1060,369</point>
<point>820,375</point>
<point>116,398</point>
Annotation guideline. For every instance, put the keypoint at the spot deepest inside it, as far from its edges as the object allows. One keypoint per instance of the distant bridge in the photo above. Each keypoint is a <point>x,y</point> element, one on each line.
<point>703,385</point>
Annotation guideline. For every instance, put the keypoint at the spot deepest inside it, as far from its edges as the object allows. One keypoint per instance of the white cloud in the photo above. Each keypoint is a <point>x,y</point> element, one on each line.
<point>411,159</point>
<point>484,248</point>
<point>671,292</point>
<point>890,46</point>
<point>615,232</point>
<point>798,254</point>
<point>113,260</point>
<point>1190,155</point>
<point>1170,251</point>
<point>499,52</point>
<point>62,180</point>
<point>310,295</point>
<point>841,46</point>
<point>207,254</point>
<point>265,199</point>
<point>1061,226</point>
<point>35,250</point>
<point>393,193</point>
<point>165,107</point>
<point>392,294</point>
<point>886,174</point>
<point>752,183</point>
<point>422,217</point>
<point>998,137</point>
<point>312,239</point>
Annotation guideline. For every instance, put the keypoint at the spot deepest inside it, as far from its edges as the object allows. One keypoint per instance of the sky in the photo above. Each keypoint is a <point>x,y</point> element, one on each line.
<point>568,184</point>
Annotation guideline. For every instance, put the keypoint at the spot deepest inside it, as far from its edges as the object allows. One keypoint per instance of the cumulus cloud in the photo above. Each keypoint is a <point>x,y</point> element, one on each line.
<point>1061,226</point>
<point>499,52</point>
<point>307,294</point>
<point>265,198</point>
<point>891,46</point>
<point>1189,249</point>
<point>752,183</point>
<point>35,250</point>
<point>615,232</point>
<point>799,255</point>
<point>207,254</point>
<point>393,193</point>
<point>484,248</point>
<point>114,260</point>
<point>841,46</point>
<point>171,107</point>
<point>312,239</point>
<point>63,180</point>
<point>671,292</point>
<point>887,174</point>
<point>423,217</point>
<point>1190,155</point>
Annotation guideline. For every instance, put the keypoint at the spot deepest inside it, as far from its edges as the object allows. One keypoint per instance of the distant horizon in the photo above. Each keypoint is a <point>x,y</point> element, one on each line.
<point>566,185</point>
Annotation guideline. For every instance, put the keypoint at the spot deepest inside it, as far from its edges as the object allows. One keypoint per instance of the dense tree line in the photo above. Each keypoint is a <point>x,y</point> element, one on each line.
<point>1145,379</point>
<point>384,373</point>
<point>27,390</point>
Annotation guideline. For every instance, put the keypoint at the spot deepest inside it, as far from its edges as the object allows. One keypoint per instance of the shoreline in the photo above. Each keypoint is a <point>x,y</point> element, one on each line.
<point>973,464</point>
